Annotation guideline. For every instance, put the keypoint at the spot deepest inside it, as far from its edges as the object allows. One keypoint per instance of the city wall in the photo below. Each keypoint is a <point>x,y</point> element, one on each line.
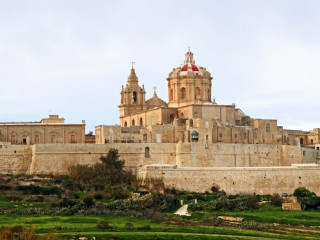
<point>239,155</point>
<point>235,180</point>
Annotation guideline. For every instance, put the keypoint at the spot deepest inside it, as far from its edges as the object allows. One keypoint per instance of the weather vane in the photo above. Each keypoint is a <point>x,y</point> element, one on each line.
<point>154,88</point>
<point>132,64</point>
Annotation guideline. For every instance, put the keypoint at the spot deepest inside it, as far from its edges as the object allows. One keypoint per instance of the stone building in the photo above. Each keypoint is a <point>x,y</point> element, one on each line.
<point>190,115</point>
<point>48,130</point>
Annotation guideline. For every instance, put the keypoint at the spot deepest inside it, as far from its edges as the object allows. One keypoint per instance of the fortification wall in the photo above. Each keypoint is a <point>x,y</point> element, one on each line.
<point>237,155</point>
<point>264,180</point>
<point>14,158</point>
<point>56,158</point>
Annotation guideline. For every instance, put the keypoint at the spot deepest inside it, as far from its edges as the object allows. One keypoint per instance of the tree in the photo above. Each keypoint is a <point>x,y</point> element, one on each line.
<point>302,192</point>
<point>109,172</point>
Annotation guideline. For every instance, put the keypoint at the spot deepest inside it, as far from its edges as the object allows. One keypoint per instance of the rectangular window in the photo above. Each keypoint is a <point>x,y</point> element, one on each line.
<point>272,136</point>
<point>207,125</point>
<point>145,137</point>
<point>255,135</point>
<point>13,139</point>
<point>303,153</point>
<point>244,135</point>
<point>110,139</point>
<point>158,138</point>
<point>24,140</point>
<point>262,136</point>
<point>73,138</point>
<point>220,135</point>
<point>207,137</point>
<point>1,146</point>
<point>236,136</point>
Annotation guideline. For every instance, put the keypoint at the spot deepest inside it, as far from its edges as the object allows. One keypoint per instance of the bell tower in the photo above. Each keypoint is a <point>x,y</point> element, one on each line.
<point>132,97</point>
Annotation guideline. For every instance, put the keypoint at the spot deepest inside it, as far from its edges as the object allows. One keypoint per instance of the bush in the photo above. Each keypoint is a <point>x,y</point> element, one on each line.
<point>211,221</point>
<point>104,225</point>
<point>253,226</point>
<point>88,202</point>
<point>302,192</point>
<point>129,226</point>
<point>51,191</point>
<point>29,189</point>
<point>5,187</point>
<point>120,195</point>
<point>145,227</point>
<point>11,198</point>
<point>34,199</point>
<point>215,188</point>
<point>275,200</point>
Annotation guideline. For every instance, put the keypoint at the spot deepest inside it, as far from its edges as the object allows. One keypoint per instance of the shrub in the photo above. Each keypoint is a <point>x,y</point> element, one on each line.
<point>145,227</point>
<point>120,195</point>
<point>275,200</point>
<point>5,187</point>
<point>13,198</point>
<point>302,192</point>
<point>29,189</point>
<point>88,202</point>
<point>211,221</point>
<point>253,226</point>
<point>98,196</point>
<point>34,199</point>
<point>215,188</point>
<point>51,191</point>
<point>104,225</point>
<point>129,226</point>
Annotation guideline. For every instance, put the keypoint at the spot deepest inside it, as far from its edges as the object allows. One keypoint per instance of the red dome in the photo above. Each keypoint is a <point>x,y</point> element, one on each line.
<point>185,67</point>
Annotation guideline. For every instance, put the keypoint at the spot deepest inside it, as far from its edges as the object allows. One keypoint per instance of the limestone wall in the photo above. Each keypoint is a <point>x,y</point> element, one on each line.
<point>56,158</point>
<point>14,158</point>
<point>236,155</point>
<point>264,180</point>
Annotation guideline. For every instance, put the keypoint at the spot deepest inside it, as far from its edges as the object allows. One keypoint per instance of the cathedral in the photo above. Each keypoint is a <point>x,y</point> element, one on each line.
<point>191,115</point>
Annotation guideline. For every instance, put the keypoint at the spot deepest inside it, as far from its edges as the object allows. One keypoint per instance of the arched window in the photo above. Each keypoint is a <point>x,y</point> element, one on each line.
<point>181,115</point>
<point>209,97</point>
<point>125,124</point>
<point>133,123</point>
<point>285,139</point>
<point>183,93</point>
<point>195,136</point>
<point>147,152</point>
<point>171,117</point>
<point>141,122</point>
<point>301,141</point>
<point>311,141</point>
<point>191,122</point>
<point>134,97</point>
<point>197,93</point>
<point>268,127</point>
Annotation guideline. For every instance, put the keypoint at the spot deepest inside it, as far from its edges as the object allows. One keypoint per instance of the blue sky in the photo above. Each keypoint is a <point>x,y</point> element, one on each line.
<point>71,57</point>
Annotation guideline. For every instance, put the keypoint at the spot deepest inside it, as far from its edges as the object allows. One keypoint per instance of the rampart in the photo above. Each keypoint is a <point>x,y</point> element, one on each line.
<point>235,180</point>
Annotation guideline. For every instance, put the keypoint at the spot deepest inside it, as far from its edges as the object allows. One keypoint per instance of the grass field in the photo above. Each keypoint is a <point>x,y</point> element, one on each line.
<point>76,226</point>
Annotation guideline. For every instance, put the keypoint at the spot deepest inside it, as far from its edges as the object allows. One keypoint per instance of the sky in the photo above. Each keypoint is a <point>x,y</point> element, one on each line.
<point>71,57</point>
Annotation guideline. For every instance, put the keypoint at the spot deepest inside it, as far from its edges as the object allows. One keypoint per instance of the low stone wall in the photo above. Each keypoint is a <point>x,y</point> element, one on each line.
<point>234,180</point>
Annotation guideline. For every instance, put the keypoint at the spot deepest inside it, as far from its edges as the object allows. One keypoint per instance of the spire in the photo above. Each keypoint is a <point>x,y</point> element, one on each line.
<point>132,79</point>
